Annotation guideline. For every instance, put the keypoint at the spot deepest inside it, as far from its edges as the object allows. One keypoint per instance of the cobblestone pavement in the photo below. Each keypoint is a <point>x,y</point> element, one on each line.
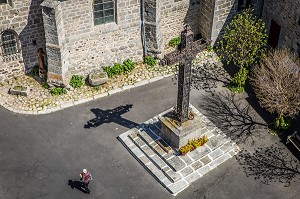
<point>40,100</point>
<point>176,172</point>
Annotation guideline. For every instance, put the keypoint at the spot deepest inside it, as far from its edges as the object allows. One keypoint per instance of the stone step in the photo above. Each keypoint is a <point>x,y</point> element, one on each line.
<point>155,159</point>
<point>139,155</point>
<point>170,159</point>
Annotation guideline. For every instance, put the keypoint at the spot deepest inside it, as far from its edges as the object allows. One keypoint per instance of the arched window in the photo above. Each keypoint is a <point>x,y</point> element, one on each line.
<point>9,43</point>
<point>104,11</point>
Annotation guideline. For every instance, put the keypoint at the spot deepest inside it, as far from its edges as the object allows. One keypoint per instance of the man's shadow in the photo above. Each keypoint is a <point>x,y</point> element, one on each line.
<point>76,184</point>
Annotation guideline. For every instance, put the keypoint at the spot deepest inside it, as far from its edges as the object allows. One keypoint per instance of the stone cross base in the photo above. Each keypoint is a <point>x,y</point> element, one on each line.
<point>178,135</point>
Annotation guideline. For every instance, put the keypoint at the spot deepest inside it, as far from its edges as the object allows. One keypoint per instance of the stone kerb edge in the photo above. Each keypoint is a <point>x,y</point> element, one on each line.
<point>83,100</point>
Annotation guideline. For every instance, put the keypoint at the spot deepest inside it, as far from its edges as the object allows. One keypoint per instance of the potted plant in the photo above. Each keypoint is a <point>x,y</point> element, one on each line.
<point>19,90</point>
<point>97,78</point>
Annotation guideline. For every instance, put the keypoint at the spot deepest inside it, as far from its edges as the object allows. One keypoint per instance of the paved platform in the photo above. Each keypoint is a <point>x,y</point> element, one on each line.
<point>172,170</point>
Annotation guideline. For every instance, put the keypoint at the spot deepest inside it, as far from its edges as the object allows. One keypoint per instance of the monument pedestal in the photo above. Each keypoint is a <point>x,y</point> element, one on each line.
<point>178,135</point>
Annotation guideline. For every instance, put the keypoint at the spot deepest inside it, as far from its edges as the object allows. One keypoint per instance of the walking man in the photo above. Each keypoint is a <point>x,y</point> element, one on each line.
<point>86,177</point>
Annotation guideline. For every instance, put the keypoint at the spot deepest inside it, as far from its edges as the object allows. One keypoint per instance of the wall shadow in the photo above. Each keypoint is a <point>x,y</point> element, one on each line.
<point>109,116</point>
<point>32,37</point>
<point>191,17</point>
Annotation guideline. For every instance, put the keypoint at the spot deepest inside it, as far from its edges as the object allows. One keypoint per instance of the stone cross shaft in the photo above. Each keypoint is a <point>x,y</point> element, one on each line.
<point>184,85</point>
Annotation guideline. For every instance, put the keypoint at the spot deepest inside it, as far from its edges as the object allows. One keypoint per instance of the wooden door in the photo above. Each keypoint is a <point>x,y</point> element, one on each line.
<point>274,34</point>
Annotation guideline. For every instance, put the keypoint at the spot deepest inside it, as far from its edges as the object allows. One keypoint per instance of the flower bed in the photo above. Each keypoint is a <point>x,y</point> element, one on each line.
<point>193,144</point>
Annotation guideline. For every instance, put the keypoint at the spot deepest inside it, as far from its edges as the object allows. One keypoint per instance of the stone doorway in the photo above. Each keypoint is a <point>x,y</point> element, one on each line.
<point>274,34</point>
<point>42,63</point>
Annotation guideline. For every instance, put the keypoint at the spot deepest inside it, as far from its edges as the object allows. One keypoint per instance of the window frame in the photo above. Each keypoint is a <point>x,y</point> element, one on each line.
<point>104,19</point>
<point>6,45</point>
<point>6,2</point>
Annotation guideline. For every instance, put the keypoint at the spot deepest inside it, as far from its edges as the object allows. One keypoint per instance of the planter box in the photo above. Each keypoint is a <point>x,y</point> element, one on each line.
<point>19,90</point>
<point>97,78</point>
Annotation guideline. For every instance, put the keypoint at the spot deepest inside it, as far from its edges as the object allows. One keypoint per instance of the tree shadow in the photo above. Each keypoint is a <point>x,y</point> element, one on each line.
<point>207,76</point>
<point>270,164</point>
<point>110,115</point>
<point>77,185</point>
<point>234,117</point>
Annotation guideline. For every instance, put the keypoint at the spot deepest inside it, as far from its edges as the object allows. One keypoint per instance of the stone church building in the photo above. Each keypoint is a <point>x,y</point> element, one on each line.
<point>76,36</point>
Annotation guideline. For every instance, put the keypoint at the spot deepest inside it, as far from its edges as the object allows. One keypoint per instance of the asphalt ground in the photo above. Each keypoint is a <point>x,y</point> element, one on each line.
<point>41,156</point>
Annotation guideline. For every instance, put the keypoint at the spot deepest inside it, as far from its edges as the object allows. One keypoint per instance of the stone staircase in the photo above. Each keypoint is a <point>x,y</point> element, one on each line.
<point>174,171</point>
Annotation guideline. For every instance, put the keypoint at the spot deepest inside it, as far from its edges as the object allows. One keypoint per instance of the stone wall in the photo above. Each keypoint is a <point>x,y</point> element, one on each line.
<point>224,11</point>
<point>153,30</point>
<point>85,46</point>
<point>176,13</point>
<point>25,18</point>
<point>207,8</point>
<point>285,13</point>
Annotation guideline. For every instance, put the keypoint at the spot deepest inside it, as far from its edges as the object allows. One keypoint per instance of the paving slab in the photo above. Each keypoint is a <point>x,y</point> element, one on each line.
<point>196,165</point>
<point>205,160</point>
<point>186,171</point>
<point>187,160</point>
<point>215,142</point>
<point>173,176</point>
<point>199,152</point>
<point>178,186</point>
<point>176,163</point>
<point>192,177</point>
<point>215,154</point>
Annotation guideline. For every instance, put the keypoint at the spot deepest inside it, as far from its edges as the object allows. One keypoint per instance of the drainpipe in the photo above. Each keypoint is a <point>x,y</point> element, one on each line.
<point>262,8</point>
<point>143,29</point>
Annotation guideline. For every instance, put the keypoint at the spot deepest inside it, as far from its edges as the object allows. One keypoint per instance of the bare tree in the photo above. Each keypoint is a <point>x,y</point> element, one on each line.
<point>276,82</point>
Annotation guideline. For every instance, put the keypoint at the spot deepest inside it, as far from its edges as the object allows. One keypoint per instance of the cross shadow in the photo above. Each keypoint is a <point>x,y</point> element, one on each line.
<point>270,164</point>
<point>110,115</point>
<point>77,185</point>
<point>233,116</point>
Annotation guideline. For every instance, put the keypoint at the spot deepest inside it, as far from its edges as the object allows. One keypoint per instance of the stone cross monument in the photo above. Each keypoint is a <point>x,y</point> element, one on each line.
<point>184,85</point>
<point>187,38</point>
<point>181,125</point>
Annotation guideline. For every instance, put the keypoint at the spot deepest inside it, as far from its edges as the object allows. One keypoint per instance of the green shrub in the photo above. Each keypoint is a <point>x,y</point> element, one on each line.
<point>35,71</point>
<point>175,42</point>
<point>128,65</point>
<point>150,61</point>
<point>209,48</point>
<point>58,91</point>
<point>282,123</point>
<point>45,85</point>
<point>238,82</point>
<point>76,81</point>
<point>118,69</point>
